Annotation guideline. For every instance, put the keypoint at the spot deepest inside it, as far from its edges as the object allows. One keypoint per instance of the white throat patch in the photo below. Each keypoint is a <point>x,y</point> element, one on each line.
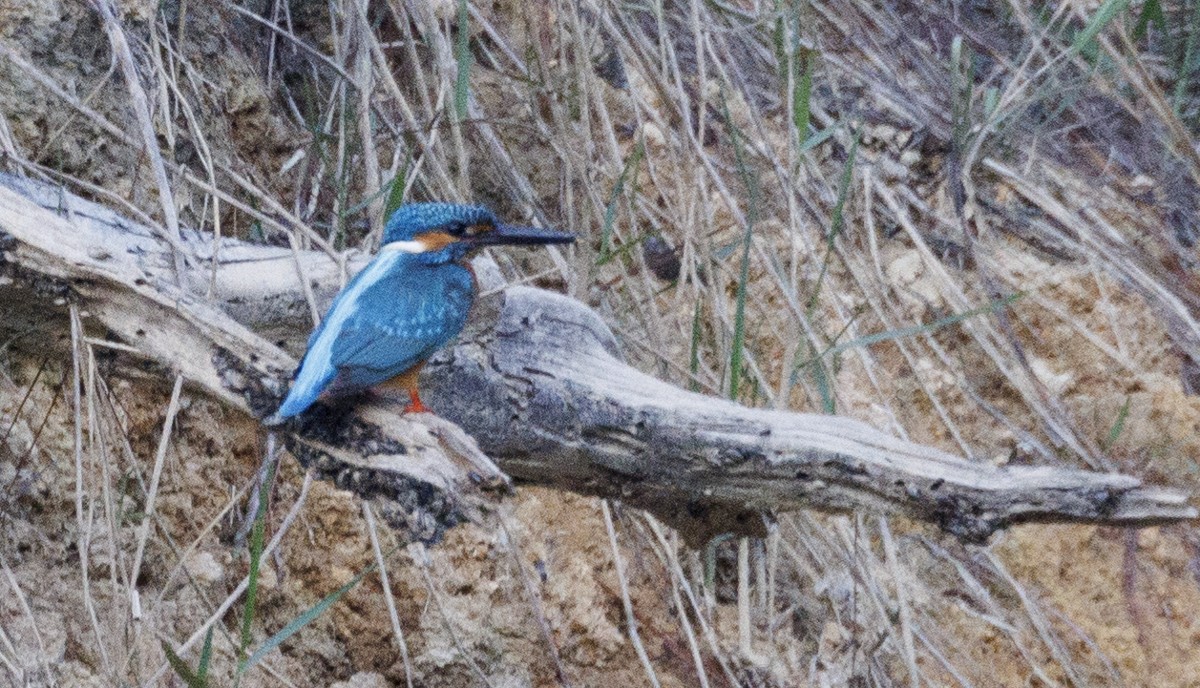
<point>403,247</point>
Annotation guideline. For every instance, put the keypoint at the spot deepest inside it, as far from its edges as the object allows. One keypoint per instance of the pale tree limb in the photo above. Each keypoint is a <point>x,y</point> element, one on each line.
<point>536,380</point>
<point>547,398</point>
<point>61,251</point>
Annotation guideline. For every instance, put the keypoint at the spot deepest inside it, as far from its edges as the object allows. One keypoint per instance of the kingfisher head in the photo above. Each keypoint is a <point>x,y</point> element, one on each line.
<point>444,232</point>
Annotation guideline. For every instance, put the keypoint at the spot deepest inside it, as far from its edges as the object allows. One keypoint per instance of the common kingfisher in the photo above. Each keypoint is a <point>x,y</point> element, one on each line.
<point>410,301</point>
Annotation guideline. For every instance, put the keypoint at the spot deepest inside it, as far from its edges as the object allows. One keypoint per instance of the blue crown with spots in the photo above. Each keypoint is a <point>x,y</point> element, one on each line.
<point>412,219</point>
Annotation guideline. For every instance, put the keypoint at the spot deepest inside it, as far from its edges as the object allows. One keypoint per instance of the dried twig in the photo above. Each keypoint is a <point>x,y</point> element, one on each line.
<point>141,108</point>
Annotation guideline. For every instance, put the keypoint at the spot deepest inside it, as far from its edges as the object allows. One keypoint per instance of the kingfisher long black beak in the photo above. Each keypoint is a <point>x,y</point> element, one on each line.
<point>520,236</point>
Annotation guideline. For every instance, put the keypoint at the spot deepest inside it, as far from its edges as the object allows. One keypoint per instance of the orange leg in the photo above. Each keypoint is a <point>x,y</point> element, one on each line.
<point>407,381</point>
<point>415,405</point>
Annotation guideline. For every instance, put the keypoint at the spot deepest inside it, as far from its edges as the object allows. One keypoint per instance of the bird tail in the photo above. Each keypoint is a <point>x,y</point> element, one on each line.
<point>273,420</point>
<point>305,391</point>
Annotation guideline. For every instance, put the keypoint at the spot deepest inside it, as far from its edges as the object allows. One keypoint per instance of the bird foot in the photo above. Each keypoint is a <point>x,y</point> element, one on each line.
<point>415,405</point>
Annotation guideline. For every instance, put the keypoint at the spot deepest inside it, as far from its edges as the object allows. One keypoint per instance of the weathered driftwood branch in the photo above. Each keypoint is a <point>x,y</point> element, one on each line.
<point>543,391</point>
<point>57,250</point>
<point>536,380</point>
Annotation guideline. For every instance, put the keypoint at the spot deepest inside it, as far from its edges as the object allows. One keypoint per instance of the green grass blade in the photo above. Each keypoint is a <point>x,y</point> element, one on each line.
<point>694,359</point>
<point>394,190</point>
<point>1152,11</point>
<point>779,42</point>
<point>749,180</point>
<point>303,620</point>
<point>818,138</point>
<point>1107,12</point>
<point>993,307</point>
<point>256,548</point>
<point>991,100</point>
<point>181,668</point>
<point>205,658</point>
<point>824,388</point>
<point>257,232</point>
<point>837,221</point>
<point>1114,433</point>
<point>624,249</point>
<point>802,70</point>
<point>395,197</point>
<point>962,76</point>
<point>366,201</point>
<point>710,560</point>
<point>632,165</point>
<point>1187,65</point>
<point>739,318</point>
<point>463,55</point>
<point>904,332</point>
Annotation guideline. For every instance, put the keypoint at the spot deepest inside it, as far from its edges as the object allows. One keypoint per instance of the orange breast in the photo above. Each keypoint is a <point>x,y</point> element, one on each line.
<point>406,381</point>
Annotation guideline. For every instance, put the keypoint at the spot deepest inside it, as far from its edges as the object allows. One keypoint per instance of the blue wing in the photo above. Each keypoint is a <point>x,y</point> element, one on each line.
<point>393,315</point>
<point>422,317</point>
